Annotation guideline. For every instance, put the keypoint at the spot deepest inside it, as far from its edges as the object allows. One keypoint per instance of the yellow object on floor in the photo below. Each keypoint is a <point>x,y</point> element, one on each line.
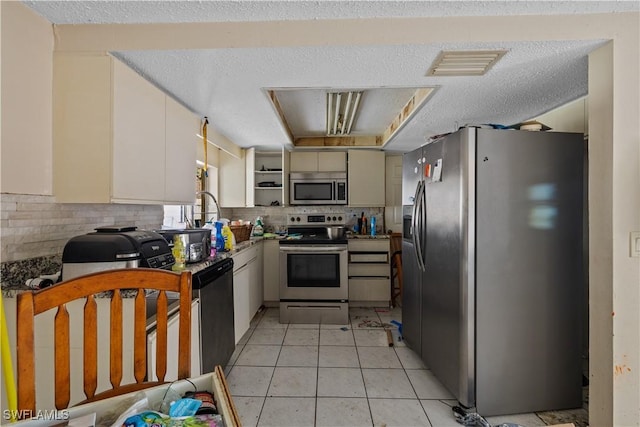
<point>7,366</point>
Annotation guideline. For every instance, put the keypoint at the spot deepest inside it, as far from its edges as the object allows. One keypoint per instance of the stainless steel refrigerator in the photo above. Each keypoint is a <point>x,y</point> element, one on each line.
<point>493,267</point>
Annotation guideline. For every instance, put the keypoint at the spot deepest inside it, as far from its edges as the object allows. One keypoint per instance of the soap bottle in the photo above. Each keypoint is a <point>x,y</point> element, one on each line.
<point>219,237</point>
<point>227,235</point>
<point>258,228</point>
<point>179,253</point>
<point>373,225</point>
<point>212,238</point>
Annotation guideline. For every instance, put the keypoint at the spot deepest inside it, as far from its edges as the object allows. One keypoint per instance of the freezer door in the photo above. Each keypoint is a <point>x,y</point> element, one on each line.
<point>447,304</point>
<point>412,172</point>
<point>529,283</point>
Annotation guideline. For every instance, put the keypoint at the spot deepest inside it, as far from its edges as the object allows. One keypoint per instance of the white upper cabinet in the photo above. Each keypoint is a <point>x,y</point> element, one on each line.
<point>366,176</point>
<point>332,161</point>
<point>304,161</point>
<point>138,137</point>
<point>232,180</point>
<point>182,140</point>
<point>318,161</point>
<point>117,138</point>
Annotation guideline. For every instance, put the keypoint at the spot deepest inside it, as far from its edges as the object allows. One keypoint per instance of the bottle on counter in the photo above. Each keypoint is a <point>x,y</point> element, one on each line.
<point>227,235</point>
<point>179,253</point>
<point>219,237</point>
<point>373,225</point>
<point>212,239</point>
<point>258,228</point>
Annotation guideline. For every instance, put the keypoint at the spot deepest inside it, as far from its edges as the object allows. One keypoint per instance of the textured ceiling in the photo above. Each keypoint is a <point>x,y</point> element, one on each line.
<point>229,85</point>
<point>136,12</point>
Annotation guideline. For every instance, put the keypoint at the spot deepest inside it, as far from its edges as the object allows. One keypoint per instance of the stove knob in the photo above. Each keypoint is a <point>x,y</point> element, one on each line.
<point>339,218</point>
<point>334,218</point>
<point>293,219</point>
<point>298,218</point>
<point>328,218</point>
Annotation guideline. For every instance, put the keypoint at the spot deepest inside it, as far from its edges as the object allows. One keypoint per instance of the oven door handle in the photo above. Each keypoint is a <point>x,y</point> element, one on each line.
<point>313,249</point>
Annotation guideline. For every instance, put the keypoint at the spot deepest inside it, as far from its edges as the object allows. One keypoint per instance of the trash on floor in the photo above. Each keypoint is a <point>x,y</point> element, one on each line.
<point>475,419</point>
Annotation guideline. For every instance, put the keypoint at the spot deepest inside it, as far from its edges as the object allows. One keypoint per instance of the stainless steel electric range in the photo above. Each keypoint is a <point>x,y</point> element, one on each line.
<point>313,271</point>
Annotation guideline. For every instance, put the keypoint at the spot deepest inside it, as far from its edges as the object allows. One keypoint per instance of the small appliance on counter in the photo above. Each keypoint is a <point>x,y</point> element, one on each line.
<point>196,241</point>
<point>114,247</point>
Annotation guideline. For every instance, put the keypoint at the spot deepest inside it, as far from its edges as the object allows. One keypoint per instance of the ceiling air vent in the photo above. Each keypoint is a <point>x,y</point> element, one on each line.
<point>464,63</point>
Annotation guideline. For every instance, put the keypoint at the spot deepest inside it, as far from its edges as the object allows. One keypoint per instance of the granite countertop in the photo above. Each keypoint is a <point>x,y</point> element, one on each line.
<point>11,291</point>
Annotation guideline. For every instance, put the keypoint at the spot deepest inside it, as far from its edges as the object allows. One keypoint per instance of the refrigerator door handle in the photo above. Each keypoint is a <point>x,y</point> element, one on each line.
<point>414,231</point>
<point>423,226</point>
<point>418,233</point>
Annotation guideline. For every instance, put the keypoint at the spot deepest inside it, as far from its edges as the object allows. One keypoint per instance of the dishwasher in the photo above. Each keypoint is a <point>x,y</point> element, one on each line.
<point>213,289</point>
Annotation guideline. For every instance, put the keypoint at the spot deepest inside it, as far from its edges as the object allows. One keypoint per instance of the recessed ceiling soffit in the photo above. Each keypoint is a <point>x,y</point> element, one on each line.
<point>366,117</point>
<point>369,117</point>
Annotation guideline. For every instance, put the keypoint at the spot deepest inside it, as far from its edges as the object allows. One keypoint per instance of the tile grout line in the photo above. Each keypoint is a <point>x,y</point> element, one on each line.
<point>264,402</point>
<point>366,393</point>
<point>315,408</point>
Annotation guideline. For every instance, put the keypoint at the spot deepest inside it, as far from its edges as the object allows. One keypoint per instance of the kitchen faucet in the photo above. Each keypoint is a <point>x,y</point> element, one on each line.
<point>203,214</point>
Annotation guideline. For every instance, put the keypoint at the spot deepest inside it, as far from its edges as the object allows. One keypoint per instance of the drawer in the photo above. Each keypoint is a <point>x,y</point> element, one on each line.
<point>369,289</point>
<point>369,257</point>
<point>368,245</point>
<point>369,270</point>
<point>242,257</point>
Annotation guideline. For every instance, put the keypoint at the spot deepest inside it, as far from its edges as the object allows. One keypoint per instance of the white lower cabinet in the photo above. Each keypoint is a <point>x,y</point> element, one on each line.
<point>271,272</point>
<point>173,329</point>
<point>369,272</point>
<point>247,287</point>
<point>241,316</point>
<point>256,297</point>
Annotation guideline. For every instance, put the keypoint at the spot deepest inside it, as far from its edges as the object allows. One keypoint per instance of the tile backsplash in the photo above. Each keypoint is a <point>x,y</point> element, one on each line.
<point>34,229</point>
<point>275,218</point>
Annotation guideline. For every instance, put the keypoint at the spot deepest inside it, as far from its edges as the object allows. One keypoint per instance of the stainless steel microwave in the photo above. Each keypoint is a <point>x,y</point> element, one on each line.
<point>318,188</point>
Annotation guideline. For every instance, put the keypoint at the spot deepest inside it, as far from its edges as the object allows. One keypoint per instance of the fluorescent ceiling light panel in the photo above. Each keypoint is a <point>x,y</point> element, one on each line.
<point>342,108</point>
<point>464,63</point>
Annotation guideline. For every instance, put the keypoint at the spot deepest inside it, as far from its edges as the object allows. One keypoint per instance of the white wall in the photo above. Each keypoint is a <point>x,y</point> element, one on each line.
<point>27,92</point>
<point>614,208</point>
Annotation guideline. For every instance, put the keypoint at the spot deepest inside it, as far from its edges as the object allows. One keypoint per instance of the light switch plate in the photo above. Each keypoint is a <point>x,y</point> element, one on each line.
<point>634,244</point>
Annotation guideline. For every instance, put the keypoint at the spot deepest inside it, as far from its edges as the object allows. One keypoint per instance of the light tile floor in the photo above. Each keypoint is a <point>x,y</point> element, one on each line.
<point>341,375</point>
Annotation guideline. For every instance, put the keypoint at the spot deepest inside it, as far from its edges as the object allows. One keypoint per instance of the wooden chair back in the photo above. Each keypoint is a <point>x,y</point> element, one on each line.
<point>31,304</point>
